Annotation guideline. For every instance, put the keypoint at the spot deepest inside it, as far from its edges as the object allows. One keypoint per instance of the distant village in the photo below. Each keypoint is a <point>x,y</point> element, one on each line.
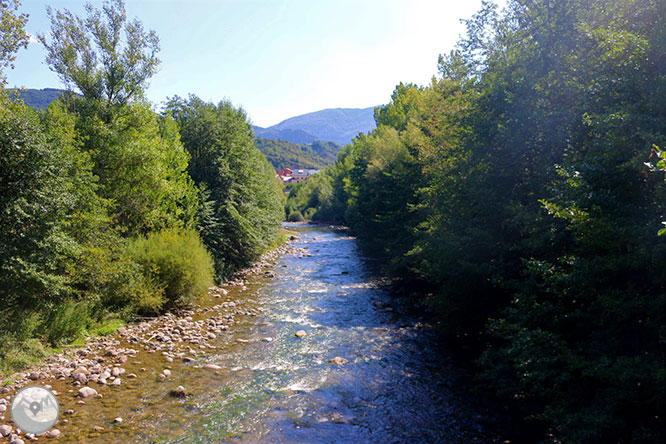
<point>290,176</point>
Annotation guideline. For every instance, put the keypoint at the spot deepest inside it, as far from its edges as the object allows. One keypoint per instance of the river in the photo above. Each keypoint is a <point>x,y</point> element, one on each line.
<point>276,387</point>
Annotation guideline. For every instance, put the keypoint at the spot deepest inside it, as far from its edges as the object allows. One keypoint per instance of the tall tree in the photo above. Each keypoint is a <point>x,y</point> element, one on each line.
<point>137,155</point>
<point>107,57</point>
<point>242,205</point>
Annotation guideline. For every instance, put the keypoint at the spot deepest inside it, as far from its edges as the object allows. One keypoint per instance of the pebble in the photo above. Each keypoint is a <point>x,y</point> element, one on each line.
<point>5,430</point>
<point>87,392</point>
<point>337,360</point>
<point>115,383</point>
<point>118,420</point>
<point>55,433</point>
<point>80,377</point>
<point>98,428</point>
<point>338,419</point>
<point>212,367</point>
<point>17,441</point>
<point>301,334</point>
<point>179,392</point>
<point>3,408</point>
<point>166,372</point>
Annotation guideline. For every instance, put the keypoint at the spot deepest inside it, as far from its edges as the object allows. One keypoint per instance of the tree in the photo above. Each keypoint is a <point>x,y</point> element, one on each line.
<point>241,200</point>
<point>48,207</point>
<point>137,155</point>
<point>12,35</point>
<point>108,58</point>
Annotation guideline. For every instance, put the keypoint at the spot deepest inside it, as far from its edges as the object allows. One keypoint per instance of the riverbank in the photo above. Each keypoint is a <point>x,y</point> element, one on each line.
<point>311,347</point>
<point>82,372</point>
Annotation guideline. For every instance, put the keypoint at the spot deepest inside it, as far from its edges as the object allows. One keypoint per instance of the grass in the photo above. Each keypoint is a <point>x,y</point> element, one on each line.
<point>108,328</point>
<point>18,356</point>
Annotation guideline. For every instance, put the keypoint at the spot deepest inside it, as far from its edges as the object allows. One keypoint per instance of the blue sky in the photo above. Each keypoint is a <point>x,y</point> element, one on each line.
<point>277,58</point>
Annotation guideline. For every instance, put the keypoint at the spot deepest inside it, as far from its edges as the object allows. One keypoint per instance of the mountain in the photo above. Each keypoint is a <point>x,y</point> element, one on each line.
<point>283,154</point>
<point>308,141</point>
<point>38,98</point>
<point>289,135</point>
<point>339,125</point>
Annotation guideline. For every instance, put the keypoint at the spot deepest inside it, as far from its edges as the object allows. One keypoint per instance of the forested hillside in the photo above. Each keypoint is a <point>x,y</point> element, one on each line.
<point>522,192</point>
<point>107,208</point>
<point>37,98</point>
<point>287,135</point>
<point>339,125</point>
<point>282,154</point>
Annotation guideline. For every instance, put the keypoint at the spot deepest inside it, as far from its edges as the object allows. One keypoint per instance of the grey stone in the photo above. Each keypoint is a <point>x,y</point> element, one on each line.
<point>87,392</point>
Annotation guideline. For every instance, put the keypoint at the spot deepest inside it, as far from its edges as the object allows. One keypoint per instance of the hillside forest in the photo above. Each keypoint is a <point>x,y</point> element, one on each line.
<point>520,197</point>
<point>109,209</point>
<point>283,154</point>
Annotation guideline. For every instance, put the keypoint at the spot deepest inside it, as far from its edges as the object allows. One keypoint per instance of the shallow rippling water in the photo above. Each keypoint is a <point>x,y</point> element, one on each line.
<point>393,389</point>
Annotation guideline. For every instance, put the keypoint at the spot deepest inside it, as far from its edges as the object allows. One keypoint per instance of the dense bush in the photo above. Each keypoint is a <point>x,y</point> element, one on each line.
<point>177,265</point>
<point>295,216</point>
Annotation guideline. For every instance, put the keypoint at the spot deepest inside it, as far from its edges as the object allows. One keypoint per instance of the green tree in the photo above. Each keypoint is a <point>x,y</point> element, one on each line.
<point>137,156</point>
<point>105,56</point>
<point>48,207</point>
<point>12,34</point>
<point>242,202</point>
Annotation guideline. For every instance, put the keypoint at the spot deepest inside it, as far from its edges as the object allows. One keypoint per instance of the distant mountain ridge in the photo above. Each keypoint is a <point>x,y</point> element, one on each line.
<point>339,125</point>
<point>288,135</point>
<point>311,140</point>
<point>37,98</point>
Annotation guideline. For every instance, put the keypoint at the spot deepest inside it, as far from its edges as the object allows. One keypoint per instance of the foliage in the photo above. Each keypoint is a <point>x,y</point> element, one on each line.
<point>514,189</point>
<point>40,191</point>
<point>241,206</point>
<point>142,168</point>
<point>176,263</point>
<point>282,154</point>
<point>80,183</point>
<point>136,154</point>
<point>295,216</point>
<point>12,34</point>
<point>117,67</point>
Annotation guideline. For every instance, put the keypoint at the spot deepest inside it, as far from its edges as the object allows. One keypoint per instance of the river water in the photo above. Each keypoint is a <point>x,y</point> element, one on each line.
<point>394,387</point>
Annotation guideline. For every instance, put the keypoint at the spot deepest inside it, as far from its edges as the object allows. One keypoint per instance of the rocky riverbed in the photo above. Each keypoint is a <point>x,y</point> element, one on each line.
<point>306,346</point>
<point>84,374</point>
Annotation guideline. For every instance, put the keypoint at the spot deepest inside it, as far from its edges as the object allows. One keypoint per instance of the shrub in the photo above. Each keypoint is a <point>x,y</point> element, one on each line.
<point>108,277</point>
<point>176,262</point>
<point>309,213</point>
<point>65,321</point>
<point>295,216</point>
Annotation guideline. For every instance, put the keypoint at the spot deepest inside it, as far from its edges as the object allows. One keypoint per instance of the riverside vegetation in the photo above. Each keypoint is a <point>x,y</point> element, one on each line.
<point>523,192</point>
<point>109,209</point>
<point>519,196</point>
